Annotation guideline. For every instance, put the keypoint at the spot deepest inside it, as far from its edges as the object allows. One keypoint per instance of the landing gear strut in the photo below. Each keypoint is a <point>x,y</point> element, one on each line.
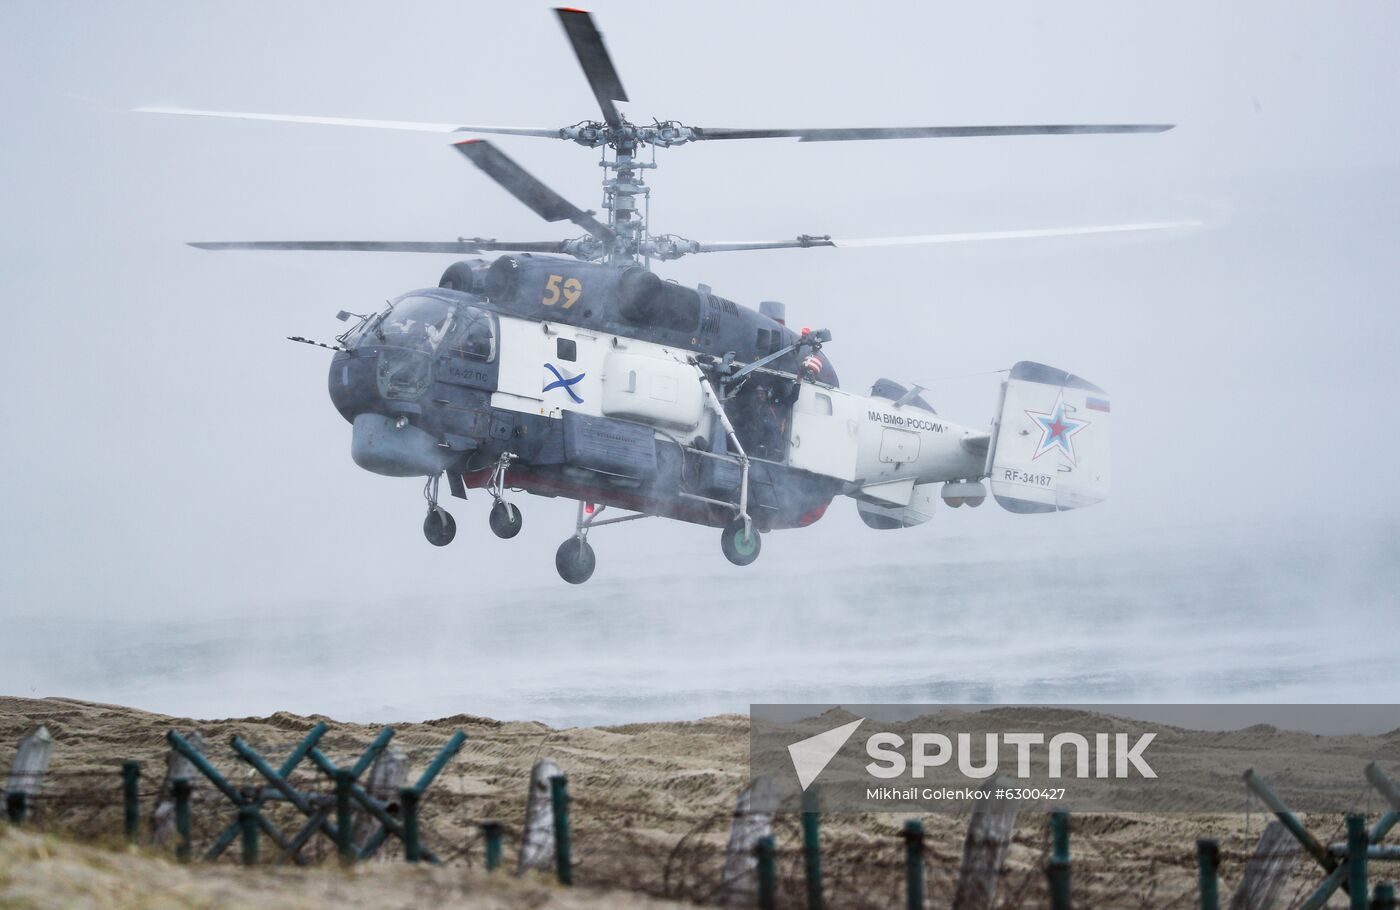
<point>505,518</point>
<point>439,527</point>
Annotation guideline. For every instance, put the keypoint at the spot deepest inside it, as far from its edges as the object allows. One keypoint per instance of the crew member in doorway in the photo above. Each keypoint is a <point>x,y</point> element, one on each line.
<point>770,424</point>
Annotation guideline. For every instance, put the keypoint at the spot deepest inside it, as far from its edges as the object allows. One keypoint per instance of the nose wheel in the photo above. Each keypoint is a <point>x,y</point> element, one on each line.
<point>505,519</point>
<point>439,527</point>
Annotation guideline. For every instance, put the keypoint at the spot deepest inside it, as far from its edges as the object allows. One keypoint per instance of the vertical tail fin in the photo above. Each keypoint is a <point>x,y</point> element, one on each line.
<point>1050,443</point>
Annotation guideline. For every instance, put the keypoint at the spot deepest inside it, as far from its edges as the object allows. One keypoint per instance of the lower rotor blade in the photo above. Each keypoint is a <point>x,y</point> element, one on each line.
<point>541,200</point>
<point>459,247</point>
<point>847,134</point>
<point>410,125</point>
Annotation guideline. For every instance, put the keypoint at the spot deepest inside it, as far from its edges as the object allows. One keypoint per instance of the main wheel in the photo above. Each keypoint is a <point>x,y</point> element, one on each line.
<point>739,548</point>
<point>439,527</point>
<point>575,561</point>
<point>505,520</point>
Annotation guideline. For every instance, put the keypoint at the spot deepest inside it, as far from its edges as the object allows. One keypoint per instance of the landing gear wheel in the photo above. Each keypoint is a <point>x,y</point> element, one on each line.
<point>739,548</point>
<point>439,527</point>
<point>575,561</point>
<point>505,520</point>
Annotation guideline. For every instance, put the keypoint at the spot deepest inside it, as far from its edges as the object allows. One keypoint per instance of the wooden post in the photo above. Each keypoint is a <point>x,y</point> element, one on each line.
<point>563,851</point>
<point>31,762</point>
<point>1058,870</point>
<point>537,841</point>
<point>913,835</point>
<point>988,836</point>
<point>1208,870</point>
<point>1357,842</point>
<point>766,861</point>
<point>412,849</point>
<point>491,834</point>
<point>163,827</point>
<point>387,776</point>
<point>248,828</point>
<point>180,787</point>
<point>811,847</point>
<point>753,819</point>
<point>344,831</point>
<point>131,800</point>
<point>1267,870</point>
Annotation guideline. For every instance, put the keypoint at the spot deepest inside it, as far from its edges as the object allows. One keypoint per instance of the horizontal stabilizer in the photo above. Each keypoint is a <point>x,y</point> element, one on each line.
<point>1050,442</point>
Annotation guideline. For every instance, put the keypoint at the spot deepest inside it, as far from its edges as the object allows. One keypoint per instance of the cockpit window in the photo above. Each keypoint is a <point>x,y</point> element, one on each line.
<point>475,334</point>
<point>415,331</point>
<point>416,322</point>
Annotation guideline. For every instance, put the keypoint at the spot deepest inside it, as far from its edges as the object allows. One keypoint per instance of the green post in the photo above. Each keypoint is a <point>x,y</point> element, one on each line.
<point>1356,860</point>
<point>1058,870</point>
<point>1208,866</point>
<point>811,848</point>
<point>563,853</point>
<point>408,802</point>
<point>248,828</point>
<point>1383,897</point>
<point>344,843</point>
<point>914,864</point>
<point>16,806</point>
<point>131,800</point>
<point>766,850</point>
<point>491,832</point>
<point>181,789</point>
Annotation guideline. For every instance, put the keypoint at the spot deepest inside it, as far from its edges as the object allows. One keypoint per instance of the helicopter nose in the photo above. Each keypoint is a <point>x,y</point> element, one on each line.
<point>352,385</point>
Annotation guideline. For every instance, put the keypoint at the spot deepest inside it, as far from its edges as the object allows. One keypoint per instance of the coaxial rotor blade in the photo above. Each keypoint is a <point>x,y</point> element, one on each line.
<point>411,125</point>
<point>824,241</point>
<point>846,134</point>
<point>593,57</point>
<point>459,247</point>
<point>542,200</point>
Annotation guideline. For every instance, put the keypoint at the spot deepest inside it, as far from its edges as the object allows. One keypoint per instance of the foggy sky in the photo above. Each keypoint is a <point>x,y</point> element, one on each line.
<point>168,453</point>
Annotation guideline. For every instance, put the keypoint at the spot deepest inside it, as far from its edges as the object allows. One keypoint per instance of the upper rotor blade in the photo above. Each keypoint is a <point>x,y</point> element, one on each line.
<point>593,57</point>
<point>846,134</point>
<point>542,200</point>
<point>411,125</point>
<point>812,241</point>
<point>459,247</point>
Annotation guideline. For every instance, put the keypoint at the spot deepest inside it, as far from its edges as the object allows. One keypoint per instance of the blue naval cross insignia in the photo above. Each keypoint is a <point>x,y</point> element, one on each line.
<point>1057,430</point>
<point>562,379</point>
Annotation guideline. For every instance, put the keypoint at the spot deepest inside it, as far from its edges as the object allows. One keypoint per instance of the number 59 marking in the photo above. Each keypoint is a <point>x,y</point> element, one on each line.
<point>570,291</point>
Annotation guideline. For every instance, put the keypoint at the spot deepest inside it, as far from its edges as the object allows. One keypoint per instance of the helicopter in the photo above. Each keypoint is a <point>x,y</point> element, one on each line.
<point>569,368</point>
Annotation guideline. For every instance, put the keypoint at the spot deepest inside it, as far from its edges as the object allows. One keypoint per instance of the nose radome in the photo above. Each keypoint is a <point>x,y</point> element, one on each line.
<point>394,447</point>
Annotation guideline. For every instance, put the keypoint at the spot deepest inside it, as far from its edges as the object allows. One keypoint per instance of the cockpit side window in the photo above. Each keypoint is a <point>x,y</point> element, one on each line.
<point>476,334</point>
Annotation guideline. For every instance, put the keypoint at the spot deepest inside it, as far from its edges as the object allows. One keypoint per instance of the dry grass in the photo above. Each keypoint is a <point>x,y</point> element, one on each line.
<point>39,872</point>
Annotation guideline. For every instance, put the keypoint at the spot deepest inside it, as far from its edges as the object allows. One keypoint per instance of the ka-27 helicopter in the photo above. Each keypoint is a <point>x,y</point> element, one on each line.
<point>569,368</point>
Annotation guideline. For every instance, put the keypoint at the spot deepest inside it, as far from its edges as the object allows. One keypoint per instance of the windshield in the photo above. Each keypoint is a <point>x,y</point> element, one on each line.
<point>435,327</point>
<point>415,331</point>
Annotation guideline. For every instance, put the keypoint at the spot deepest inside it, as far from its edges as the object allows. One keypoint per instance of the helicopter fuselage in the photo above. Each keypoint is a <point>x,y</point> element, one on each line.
<point>598,383</point>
